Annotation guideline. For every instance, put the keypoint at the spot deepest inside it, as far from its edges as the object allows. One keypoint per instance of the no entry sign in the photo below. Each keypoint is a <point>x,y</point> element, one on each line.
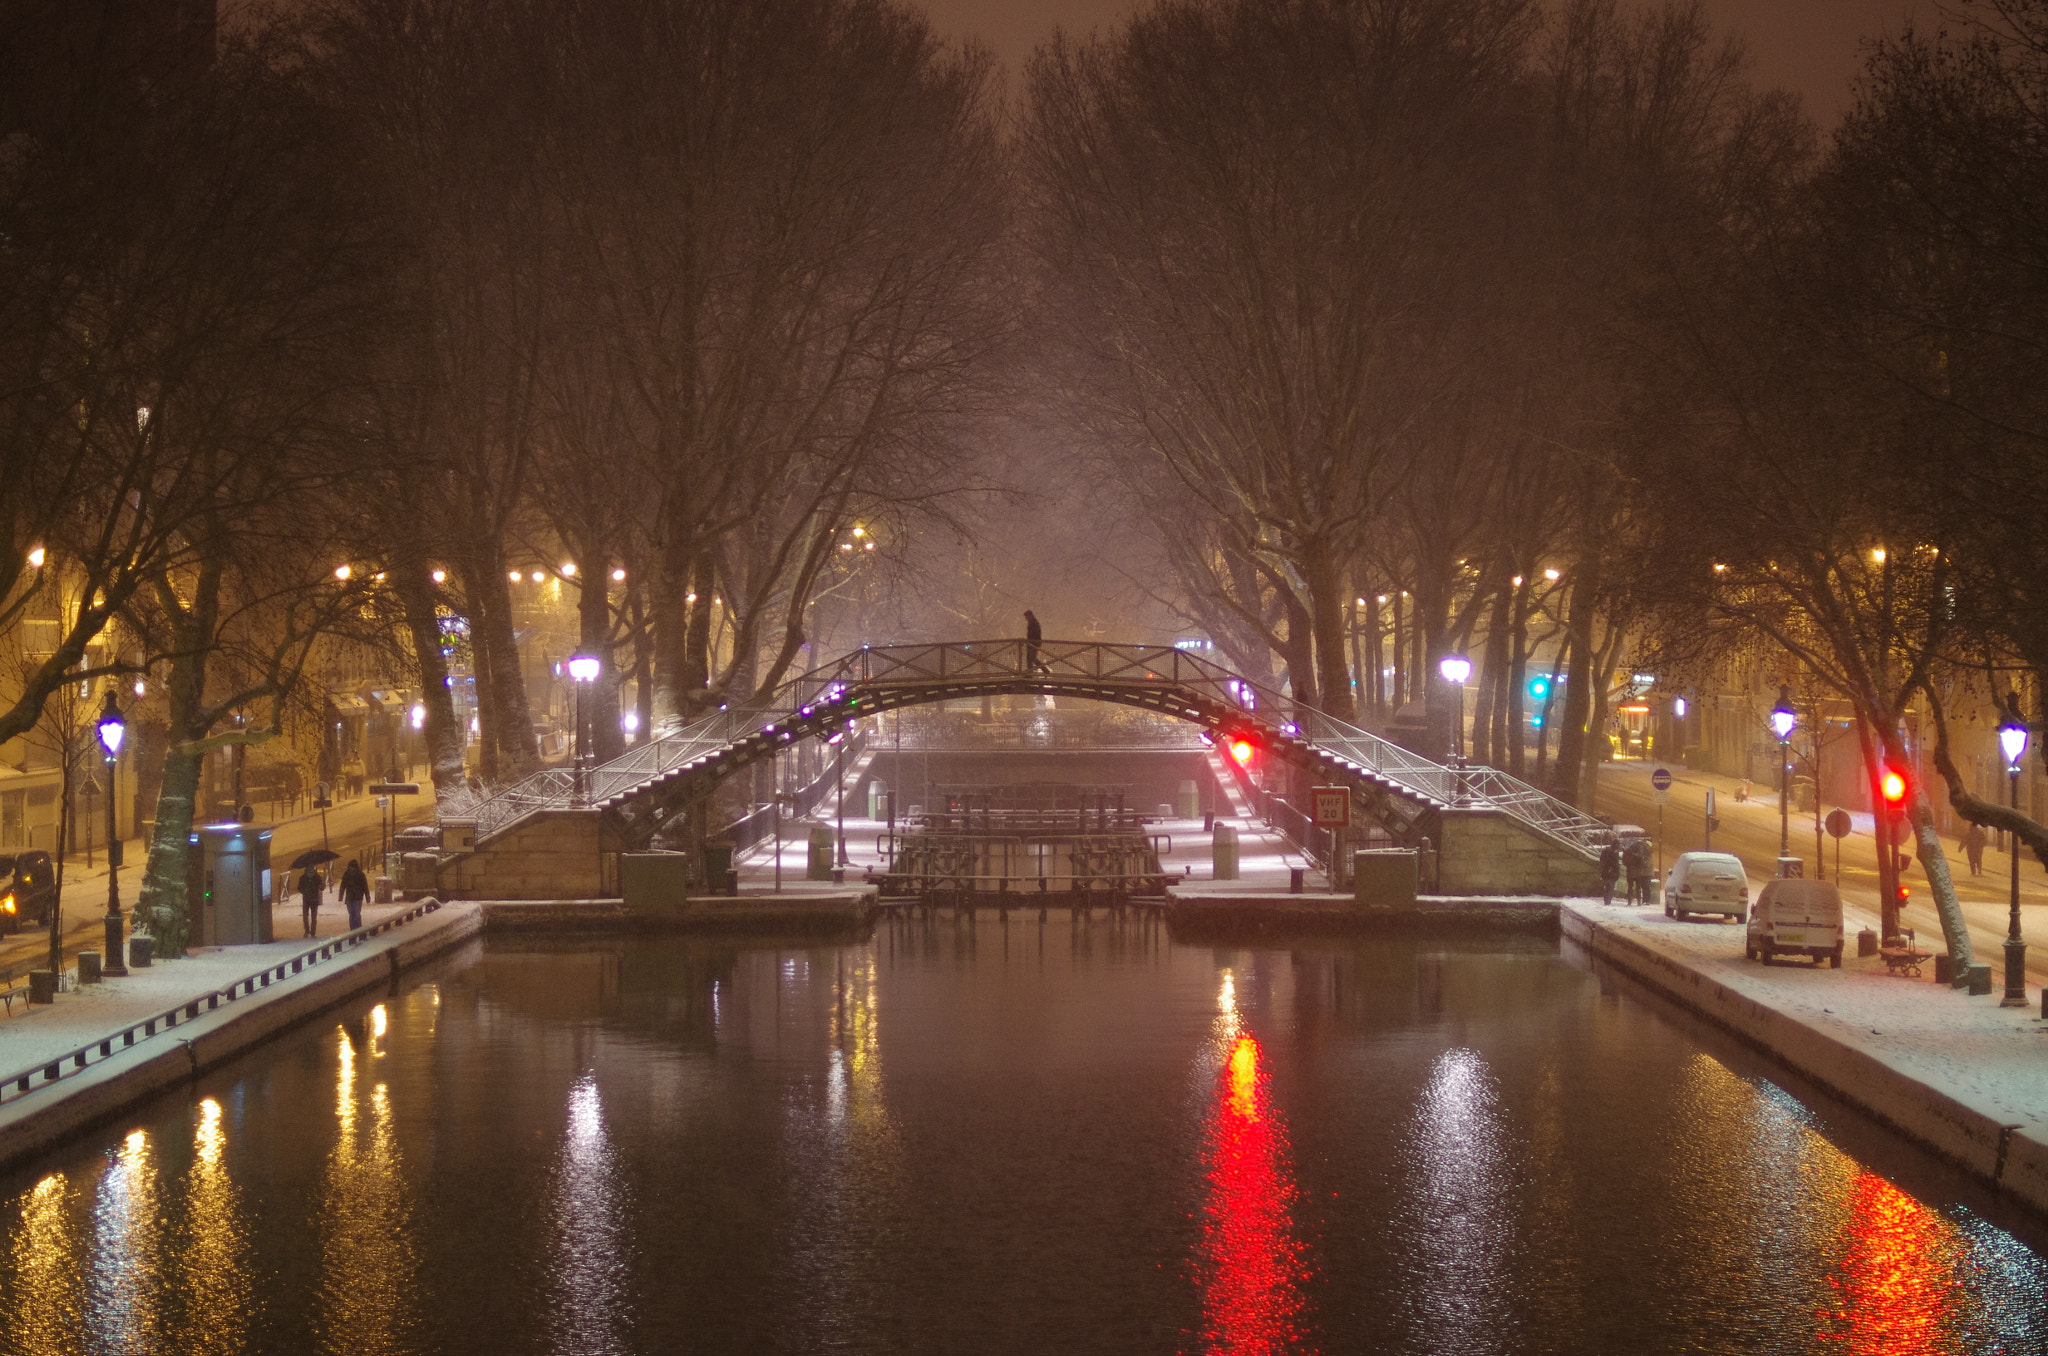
<point>1661,779</point>
<point>1330,807</point>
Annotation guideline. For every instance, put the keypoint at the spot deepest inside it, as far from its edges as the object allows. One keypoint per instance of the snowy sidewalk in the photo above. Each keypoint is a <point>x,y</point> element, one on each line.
<point>1988,1060</point>
<point>84,1013</point>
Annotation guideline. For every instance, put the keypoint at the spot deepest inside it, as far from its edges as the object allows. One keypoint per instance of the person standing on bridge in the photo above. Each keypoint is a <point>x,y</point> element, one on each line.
<point>355,889</point>
<point>1034,636</point>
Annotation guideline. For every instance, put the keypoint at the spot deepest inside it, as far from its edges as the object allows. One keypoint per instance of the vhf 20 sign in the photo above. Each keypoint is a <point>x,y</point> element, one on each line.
<point>1330,807</point>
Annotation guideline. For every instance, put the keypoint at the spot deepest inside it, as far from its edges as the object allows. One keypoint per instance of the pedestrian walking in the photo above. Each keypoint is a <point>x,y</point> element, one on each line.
<point>356,774</point>
<point>1637,859</point>
<point>1973,848</point>
<point>1034,637</point>
<point>310,890</point>
<point>355,889</point>
<point>1610,871</point>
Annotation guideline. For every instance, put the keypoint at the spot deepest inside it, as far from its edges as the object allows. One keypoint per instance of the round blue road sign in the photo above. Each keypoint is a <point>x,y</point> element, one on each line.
<point>1661,779</point>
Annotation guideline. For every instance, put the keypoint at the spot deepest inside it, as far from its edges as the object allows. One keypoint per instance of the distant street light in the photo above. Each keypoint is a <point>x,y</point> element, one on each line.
<point>2012,740</point>
<point>584,668</point>
<point>112,729</point>
<point>1455,669</point>
<point>1783,719</point>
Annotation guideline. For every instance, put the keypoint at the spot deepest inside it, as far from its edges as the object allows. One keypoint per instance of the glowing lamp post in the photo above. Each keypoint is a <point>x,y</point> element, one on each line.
<point>583,668</point>
<point>112,730</point>
<point>1455,669</point>
<point>1783,719</point>
<point>2012,741</point>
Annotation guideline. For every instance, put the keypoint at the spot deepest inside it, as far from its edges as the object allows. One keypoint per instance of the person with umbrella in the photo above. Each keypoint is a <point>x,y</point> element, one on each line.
<point>310,886</point>
<point>355,889</point>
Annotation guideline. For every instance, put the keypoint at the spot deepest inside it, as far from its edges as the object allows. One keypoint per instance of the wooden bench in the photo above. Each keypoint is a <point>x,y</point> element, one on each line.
<point>1903,961</point>
<point>12,991</point>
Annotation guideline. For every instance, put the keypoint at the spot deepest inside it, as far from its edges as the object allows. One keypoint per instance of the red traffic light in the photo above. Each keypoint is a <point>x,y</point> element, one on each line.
<point>1242,750</point>
<point>1893,784</point>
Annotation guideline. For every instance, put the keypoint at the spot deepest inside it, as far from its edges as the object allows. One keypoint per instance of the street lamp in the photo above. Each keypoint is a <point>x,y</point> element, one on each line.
<point>1783,718</point>
<point>583,668</point>
<point>112,729</point>
<point>1455,669</point>
<point>2012,741</point>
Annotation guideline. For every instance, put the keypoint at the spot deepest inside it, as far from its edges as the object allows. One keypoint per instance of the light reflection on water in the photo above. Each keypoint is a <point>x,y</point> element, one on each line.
<point>1251,1265</point>
<point>1465,1208</point>
<point>591,1311</point>
<point>960,1137</point>
<point>367,1289</point>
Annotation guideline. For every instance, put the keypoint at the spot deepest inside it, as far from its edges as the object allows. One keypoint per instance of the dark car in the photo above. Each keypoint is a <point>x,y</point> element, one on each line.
<point>31,890</point>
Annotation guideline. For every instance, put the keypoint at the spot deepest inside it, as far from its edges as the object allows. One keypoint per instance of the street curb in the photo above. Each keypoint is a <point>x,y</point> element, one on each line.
<point>90,1098</point>
<point>2010,1158</point>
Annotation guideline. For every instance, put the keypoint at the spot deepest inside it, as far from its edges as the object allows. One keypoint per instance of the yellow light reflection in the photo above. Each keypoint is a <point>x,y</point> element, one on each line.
<point>1244,1078</point>
<point>42,1315</point>
<point>214,1286</point>
<point>123,1285</point>
<point>366,1301</point>
<point>380,1021</point>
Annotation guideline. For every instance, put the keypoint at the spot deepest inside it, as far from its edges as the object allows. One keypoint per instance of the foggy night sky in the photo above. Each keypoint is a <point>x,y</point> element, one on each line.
<point>1808,46</point>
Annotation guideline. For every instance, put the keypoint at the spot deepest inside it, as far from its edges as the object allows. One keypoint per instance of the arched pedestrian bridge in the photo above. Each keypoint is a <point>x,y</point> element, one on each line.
<point>1410,796</point>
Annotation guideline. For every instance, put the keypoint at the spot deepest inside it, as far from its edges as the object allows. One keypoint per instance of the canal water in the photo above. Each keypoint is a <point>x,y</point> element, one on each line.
<point>988,1137</point>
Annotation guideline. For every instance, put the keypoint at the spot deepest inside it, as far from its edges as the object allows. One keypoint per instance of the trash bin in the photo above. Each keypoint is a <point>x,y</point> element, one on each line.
<point>878,797</point>
<point>1385,878</point>
<point>88,967</point>
<point>42,986</point>
<point>719,877</point>
<point>139,950</point>
<point>818,865</point>
<point>1190,800</point>
<point>1223,852</point>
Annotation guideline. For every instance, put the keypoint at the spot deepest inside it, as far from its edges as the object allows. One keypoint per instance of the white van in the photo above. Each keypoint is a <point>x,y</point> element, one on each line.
<point>1796,918</point>
<point>1707,882</point>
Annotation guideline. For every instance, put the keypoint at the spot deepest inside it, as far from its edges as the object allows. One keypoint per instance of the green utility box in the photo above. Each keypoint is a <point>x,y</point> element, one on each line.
<point>1385,878</point>
<point>1190,800</point>
<point>654,882</point>
<point>878,799</point>
<point>818,866</point>
<point>1223,853</point>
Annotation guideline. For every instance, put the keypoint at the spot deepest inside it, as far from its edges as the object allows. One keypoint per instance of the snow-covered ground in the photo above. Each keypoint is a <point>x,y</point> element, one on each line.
<point>1988,1057</point>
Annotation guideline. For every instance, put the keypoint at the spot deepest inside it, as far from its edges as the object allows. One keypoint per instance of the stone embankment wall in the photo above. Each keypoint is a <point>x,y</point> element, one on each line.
<point>555,854</point>
<point>1485,852</point>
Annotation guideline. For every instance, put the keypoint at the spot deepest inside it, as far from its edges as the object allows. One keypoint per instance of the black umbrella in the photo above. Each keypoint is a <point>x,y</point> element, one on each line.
<point>313,858</point>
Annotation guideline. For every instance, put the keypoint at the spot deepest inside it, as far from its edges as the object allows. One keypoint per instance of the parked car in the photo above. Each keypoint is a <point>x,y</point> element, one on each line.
<point>1796,918</point>
<point>1707,882</point>
<point>30,892</point>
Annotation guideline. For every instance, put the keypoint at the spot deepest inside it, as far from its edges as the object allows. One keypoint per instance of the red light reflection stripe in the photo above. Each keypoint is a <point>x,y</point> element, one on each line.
<point>1251,1264</point>
<point>1895,1280</point>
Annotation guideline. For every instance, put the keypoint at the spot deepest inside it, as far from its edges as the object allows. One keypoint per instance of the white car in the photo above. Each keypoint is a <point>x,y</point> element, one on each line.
<point>1796,918</point>
<point>1707,882</point>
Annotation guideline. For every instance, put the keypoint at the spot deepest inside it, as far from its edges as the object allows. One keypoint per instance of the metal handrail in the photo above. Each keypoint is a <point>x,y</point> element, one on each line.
<point>1178,681</point>
<point>18,1085</point>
